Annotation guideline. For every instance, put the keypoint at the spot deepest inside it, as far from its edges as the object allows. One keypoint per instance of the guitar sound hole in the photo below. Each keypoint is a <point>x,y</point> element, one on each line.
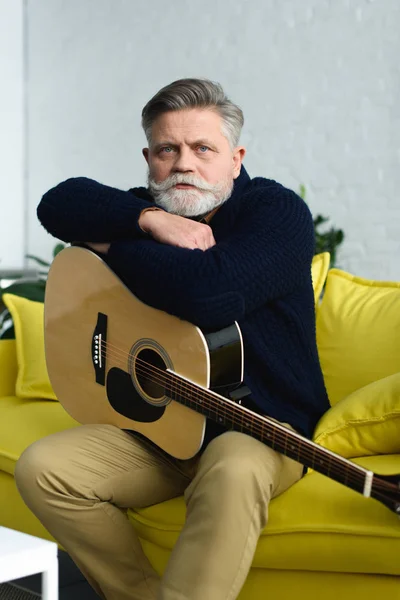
<point>150,373</point>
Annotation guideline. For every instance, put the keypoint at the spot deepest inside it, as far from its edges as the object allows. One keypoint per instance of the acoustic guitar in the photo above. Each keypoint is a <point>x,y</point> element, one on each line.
<point>113,359</point>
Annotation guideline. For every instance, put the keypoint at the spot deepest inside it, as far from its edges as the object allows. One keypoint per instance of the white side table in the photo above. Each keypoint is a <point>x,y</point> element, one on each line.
<point>22,555</point>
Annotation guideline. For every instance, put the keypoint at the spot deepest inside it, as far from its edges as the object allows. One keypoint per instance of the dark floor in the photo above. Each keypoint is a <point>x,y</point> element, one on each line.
<point>72,584</point>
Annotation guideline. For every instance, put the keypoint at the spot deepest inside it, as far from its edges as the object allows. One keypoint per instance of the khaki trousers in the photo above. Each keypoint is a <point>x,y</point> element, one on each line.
<point>80,483</point>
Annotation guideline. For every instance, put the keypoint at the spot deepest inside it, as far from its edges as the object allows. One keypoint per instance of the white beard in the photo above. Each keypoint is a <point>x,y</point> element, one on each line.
<point>190,202</point>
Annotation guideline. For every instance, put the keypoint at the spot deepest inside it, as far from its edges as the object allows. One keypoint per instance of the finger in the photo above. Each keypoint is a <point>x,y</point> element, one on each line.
<point>206,243</point>
<point>209,241</point>
<point>190,244</point>
<point>200,244</point>
<point>209,236</point>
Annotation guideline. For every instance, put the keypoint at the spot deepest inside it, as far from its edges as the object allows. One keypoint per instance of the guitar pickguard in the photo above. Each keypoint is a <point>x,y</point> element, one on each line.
<point>126,400</point>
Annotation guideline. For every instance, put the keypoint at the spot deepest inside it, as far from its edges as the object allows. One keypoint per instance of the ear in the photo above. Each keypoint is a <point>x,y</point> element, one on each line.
<point>145,153</point>
<point>238,156</point>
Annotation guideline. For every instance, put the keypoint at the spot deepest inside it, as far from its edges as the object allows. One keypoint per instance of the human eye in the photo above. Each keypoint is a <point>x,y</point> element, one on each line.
<point>166,150</point>
<point>203,149</point>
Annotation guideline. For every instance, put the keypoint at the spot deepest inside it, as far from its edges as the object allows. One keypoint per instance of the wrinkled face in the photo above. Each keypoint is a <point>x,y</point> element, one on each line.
<point>191,164</point>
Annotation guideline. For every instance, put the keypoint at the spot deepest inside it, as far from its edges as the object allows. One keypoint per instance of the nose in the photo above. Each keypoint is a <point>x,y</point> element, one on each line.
<point>184,161</point>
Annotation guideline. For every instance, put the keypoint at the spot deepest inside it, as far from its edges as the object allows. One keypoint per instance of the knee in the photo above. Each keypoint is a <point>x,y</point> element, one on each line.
<point>241,466</point>
<point>34,468</point>
<point>237,477</point>
<point>239,472</point>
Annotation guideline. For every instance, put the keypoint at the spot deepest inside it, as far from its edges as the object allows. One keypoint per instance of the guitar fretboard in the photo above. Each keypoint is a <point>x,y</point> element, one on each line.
<point>282,439</point>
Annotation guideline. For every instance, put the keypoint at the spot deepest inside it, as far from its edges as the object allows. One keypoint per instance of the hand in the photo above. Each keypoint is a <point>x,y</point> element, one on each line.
<point>103,248</point>
<point>177,231</point>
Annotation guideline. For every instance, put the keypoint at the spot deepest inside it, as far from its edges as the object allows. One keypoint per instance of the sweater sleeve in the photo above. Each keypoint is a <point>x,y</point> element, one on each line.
<point>267,255</point>
<point>83,210</point>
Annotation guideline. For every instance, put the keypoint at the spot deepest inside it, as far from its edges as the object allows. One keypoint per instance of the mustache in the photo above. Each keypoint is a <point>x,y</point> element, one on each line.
<point>177,178</point>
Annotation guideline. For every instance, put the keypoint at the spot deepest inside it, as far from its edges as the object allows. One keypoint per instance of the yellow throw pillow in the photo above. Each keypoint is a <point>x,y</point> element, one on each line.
<point>319,271</point>
<point>366,422</point>
<point>358,326</point>
<point>9,367</point>
<point>32,379</point>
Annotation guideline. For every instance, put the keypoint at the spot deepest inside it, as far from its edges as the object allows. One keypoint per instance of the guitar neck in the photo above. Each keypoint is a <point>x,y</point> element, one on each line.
<point>280,438</point>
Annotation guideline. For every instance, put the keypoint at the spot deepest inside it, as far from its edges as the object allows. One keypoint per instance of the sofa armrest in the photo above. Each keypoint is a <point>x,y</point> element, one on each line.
<point>8,368</point>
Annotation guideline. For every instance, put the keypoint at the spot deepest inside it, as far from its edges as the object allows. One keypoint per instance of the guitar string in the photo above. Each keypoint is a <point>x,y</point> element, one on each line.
<point>260,429</point>
<point>277,434</point>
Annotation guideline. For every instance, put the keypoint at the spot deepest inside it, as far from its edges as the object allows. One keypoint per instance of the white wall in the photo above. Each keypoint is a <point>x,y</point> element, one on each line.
<point>318,81</point>
<point>12,201</point>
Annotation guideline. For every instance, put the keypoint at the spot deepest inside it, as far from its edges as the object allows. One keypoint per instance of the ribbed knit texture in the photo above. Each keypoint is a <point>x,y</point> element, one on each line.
<point>259,274</point>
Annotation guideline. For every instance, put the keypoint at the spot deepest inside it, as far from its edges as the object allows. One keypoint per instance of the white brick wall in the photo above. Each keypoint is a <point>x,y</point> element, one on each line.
<point>318,81</point>
<point>12,183</point>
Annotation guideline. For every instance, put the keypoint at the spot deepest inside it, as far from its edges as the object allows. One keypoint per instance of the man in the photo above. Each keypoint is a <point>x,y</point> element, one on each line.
<point>210,245</point>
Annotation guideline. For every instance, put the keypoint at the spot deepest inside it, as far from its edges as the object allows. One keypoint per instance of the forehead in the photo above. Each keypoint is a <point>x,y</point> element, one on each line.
<point>188,124</point>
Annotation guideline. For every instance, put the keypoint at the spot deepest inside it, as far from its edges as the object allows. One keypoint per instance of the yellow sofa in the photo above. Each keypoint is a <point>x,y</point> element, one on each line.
<point>322,539</point>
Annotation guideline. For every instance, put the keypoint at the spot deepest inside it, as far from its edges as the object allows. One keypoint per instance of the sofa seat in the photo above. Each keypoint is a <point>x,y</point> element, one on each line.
<point>317,525</point>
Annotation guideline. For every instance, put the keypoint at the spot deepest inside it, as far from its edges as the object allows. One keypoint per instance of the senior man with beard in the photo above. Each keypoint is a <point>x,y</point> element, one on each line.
<point>206,243</point>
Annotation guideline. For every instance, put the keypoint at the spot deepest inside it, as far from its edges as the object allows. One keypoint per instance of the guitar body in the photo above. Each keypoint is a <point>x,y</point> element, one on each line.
<point>101,343</point>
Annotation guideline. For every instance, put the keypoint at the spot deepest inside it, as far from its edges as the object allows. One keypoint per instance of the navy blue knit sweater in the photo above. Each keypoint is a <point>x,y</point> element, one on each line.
<point>258,273</point>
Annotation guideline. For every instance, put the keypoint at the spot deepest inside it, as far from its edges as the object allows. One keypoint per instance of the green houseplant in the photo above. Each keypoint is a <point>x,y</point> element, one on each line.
<point>326,240</point>
<point>32,288</point>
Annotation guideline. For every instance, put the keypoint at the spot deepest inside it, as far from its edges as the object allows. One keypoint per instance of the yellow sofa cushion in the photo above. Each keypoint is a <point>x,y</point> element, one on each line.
<point>358,337</point>
<point>316,525</point>
<point>23,421</point>
<point>28,317</point>
<point>319,271</point>
<point>366,422</point>
<point>8,367</point>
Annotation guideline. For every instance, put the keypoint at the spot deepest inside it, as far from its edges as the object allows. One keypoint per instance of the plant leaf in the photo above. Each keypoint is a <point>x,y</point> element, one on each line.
<point>33,290</point>
<point>40,261</point>
<point>58,249</point>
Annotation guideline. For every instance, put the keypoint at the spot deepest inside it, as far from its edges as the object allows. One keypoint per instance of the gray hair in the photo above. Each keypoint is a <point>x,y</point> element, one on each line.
<point>195,93</point>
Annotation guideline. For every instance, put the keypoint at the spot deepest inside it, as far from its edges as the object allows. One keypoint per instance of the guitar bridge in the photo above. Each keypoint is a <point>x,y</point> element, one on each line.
<point>99,352</point>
